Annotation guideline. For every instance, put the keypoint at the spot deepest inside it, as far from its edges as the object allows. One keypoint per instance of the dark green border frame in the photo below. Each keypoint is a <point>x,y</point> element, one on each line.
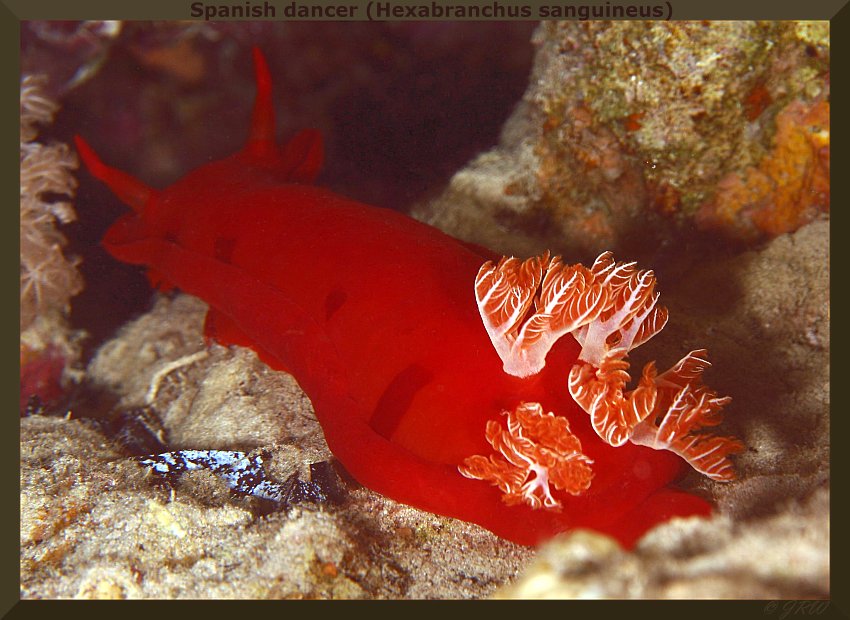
<point>9,256</point>
<point>13,11</point>
<point>179,9</point>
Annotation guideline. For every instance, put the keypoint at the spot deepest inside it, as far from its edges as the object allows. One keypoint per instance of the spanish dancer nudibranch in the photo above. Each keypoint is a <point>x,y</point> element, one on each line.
<point>490,390</point>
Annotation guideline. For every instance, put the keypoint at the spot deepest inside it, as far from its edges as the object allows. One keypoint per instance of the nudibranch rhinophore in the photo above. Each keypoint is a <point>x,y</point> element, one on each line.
<point>522,424</point>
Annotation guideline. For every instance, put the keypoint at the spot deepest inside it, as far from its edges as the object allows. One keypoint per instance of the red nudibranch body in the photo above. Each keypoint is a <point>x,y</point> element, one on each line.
<point>493,392</point>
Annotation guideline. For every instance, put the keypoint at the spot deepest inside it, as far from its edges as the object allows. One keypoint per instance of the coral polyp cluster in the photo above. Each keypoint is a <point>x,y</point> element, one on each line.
<point>49,278</point>
<point>610,309</point>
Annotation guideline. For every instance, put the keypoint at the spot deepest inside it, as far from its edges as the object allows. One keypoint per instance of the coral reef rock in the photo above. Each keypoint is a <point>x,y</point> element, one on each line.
<point>631,132</point>
<point>96,526</point>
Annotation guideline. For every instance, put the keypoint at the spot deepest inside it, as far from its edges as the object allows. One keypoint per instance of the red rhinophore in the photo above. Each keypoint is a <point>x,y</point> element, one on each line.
<point>494,394</point>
